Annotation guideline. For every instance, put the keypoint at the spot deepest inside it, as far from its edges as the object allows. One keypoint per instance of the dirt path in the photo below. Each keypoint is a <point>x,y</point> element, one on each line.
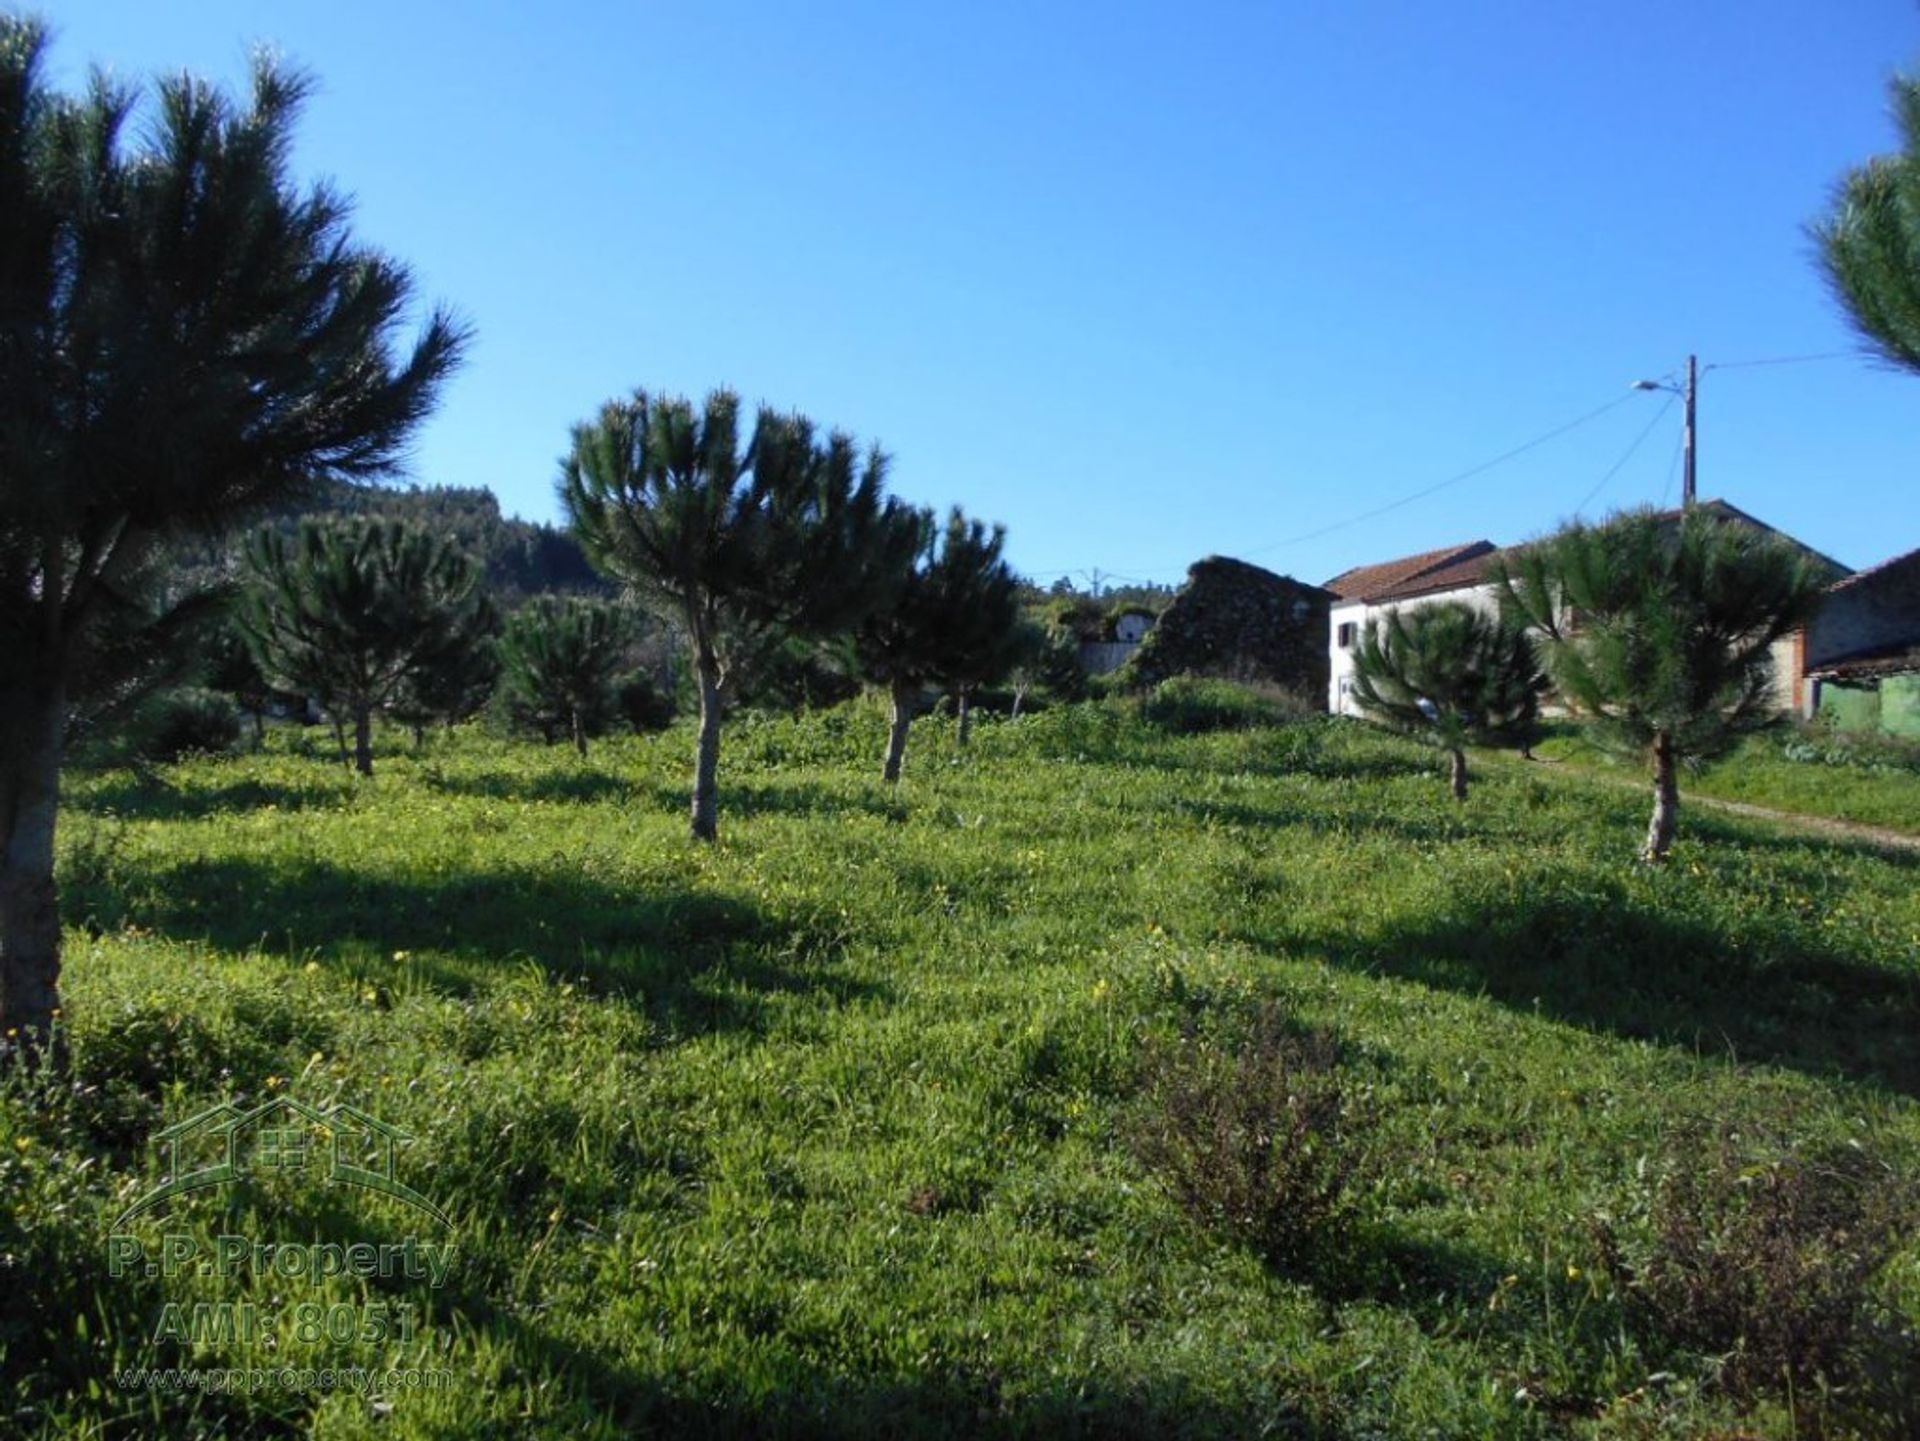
<point>1790,820</point>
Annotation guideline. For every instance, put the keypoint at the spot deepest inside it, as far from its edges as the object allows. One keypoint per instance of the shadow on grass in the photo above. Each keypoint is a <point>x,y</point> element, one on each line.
<point>1606,963</point>
<point>1760,833</point>
<point>749,798</point>
<point>152,798</point>
<point>582,786</point>
<point>698,959</point>
<point>1352,821</point>
<point>800,798</point>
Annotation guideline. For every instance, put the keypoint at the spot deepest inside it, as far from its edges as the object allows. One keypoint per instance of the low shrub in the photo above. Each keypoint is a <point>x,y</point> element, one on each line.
<point>1816,743</point>
<point>645,704</point>
<point>1267,1142</point>
<point>192,722</point>
<point>1190,705</point>
<point>1763,1256</point>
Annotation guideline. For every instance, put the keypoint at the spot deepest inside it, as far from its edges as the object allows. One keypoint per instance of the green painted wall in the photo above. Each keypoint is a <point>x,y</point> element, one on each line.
<point>1849,708</point>
<point>1892,706</point>
<point>1900,705</point>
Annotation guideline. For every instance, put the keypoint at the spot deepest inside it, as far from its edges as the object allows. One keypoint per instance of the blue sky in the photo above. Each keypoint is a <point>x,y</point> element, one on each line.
<point>1144,282</point>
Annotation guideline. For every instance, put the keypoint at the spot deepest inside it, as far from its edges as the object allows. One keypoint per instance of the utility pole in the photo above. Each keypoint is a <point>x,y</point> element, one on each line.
<point>1690,393</point>
<point>1692,442</point>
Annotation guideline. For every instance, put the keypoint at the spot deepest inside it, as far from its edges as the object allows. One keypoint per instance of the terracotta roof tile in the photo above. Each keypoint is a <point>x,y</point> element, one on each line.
<point>1409,574</point>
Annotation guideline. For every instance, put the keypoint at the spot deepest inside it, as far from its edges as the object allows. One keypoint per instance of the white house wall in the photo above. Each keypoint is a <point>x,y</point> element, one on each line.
<point>1786,653</point>
<point>1358,613</point>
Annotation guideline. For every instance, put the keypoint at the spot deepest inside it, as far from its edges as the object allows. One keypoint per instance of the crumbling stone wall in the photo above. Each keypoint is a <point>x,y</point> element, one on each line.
<point>1236,620</point>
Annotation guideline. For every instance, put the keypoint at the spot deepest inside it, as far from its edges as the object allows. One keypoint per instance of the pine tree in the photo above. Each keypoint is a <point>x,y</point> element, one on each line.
<point>1869,246</point>
<point>454,683</point>
<point>1657,631</point>
<point>1451,675</point>
<point>559,659</point>
<point>984,639</point>
<point>186,336</point>
<point>351,612</point>
<point>744,551</point>
<point>951,620</point>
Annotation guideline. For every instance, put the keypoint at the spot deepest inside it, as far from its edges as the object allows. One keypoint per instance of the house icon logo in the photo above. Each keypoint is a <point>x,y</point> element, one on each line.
<point>342,1144</point>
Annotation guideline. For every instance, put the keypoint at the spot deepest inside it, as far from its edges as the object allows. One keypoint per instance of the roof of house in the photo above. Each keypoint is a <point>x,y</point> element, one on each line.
<point>1899,659</point>
<point>1461,567</point>
<point>1874,574</point>
<point>1733,512</point>
<point>1444,569</point>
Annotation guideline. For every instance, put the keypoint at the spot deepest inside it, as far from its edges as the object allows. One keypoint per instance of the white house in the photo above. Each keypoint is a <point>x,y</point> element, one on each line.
<point>1130,627</point>
<point>1459,573</point>
<point>1455,572</point>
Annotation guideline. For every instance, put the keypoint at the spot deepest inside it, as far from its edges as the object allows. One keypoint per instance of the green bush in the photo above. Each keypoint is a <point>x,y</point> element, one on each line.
<point>1189,705</point>
<point>644,702</point>
<point>178,723</point>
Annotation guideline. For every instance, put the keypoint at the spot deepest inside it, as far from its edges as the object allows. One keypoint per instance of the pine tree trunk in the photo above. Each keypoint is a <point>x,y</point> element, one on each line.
<point>903,698</point>
<point>340,739</point>
<point>963,702</point>
<point>579,734</point>
<point>259,729</point>
<point>706,765</point>
<point>419,735</point>
<point>1666,802</point>
<point>1458,759</point>
<point>1019,699</point>
<point>363,739</point>
<point>29,898</point>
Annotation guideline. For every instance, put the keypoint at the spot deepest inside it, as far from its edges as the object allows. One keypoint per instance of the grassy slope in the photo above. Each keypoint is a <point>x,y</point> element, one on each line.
<point>819,1131</point>
<point>1760,774</point>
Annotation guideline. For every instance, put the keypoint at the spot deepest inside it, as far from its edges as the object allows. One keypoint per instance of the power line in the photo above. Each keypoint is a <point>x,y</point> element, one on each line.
<point>1437,486</point>
<point>1782,360</point>
<point>1673,466</point>
<point>1468,474</point>
<point>1614,469</point>
<point>1518,450</point>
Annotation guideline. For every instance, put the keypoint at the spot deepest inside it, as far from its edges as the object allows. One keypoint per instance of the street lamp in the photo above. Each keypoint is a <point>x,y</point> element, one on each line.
<point>1688,393</point>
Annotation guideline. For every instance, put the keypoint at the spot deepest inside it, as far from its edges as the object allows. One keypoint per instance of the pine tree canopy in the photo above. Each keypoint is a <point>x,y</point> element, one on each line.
<point>559,658</point>
<point>795,535</point>
<point>350,611</point>
<point>1869,244</point>
<point>1448,672</point>
<point>954,613</point>
<point>185,335</point>
<point>1654,625</point>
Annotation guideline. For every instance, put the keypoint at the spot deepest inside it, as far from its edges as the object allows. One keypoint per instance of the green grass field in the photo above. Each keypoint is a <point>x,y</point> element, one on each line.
<point>823,1130</point>
<point>1876,785</point>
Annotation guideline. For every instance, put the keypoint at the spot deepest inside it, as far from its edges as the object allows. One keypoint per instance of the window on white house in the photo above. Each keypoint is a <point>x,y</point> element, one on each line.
<point>1346,635</point>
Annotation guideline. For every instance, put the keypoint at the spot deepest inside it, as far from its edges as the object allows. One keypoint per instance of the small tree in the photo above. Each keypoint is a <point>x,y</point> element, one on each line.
<point>231,670</point>
<point>1869,246</point>
<point>1657,632</point>
<point>951,621</point>
<point>559,658</point>
<point>352,611</point>
<point>984,638</point>
<point>454,683</point>
<point>1453,676</point>
<point>1048,659</point>
<point>185,337</point>
<point>744,551</point>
